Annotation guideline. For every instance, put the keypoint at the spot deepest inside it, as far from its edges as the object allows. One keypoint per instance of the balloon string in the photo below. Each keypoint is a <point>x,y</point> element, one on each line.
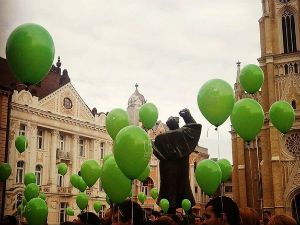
<point>208,130</point>
<point>218,142</point>
<point>118,215</point>
<point>221,185</point>
<point>221,192</point>
<point>132,186</point>
<point>248,144</point>
<point>259,180</point>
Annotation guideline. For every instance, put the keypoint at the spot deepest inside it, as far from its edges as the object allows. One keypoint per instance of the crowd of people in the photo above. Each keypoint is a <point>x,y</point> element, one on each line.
<point>218,211</point>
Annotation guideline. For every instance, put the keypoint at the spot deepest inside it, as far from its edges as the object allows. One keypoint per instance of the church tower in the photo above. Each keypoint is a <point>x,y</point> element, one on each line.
<point>135,102</point>
<point>266,174</point>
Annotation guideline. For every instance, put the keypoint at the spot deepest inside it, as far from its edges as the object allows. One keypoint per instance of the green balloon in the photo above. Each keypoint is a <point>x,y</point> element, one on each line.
<point>251,78</point>
<point>29,178</point>
<point>215,101</point>
<point>90,171</point>
<point>20,208</point>
<point>107,157</point>
<point>132,151</point>
<point>30,53</point>
<point>145,174</point>
<point>5,171</point>
<point>62,168</point>
<point>148,115</point>
<point>31,191</point>
<point>21,143</point>
<point>226,169</point>
<point>208,175</point>
<point>186,204</point>
<point>115,184</point>
<point>74,180</point>
<point>82,201</point>
<point>282,116</point>
<point>24,201</point>
<point>36,211</point>
<point>42,196</point>
<point>115,121</point>
<point>70,211</point>
<point>97,206</point>
<point>81,184</point>
<point>154,193</point>
<point>247,118</point>
<point>164,205</point>
<point>142,197</point>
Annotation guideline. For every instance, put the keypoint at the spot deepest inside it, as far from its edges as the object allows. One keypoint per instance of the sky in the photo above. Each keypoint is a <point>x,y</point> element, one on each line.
<point>169,47</point>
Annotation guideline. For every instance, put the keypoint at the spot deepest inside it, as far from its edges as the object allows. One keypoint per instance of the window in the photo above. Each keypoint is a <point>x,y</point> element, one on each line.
<point>20,172</point>
<point>22,130</point>
<point>102,211</point>
<point>294,104</point>
<point>296,68</point>
<point>284,1</point>
<point>38,174</point>
<point>60,181</point>
<point>146,186</point>
<point>102,150</point>
<point>67,103</point>
<point>61,142</point>
<point>81,147</point>
<point>195,166</point>
<point>288,32</point>
<point>19,199</point>
<point>228,189</point>
<point>286,69</point>
<point>62,212</point>
<point>100,186</point>
<point>196,190</point>
<point>39,139</point>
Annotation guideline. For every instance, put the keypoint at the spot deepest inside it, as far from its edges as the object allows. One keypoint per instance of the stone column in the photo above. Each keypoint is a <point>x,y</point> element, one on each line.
<point>53,167</point>
<point>32,134</point>
<point>235,171</point>
<point>241,172</point>
<point>75,153</point>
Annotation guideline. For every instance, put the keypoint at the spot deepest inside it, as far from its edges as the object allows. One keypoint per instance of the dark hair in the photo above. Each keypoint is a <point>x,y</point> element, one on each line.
<point>125,209</point>
<point>156,214</point>
<point>89,218</point>
<point>267,212</point>
<point>229,208</point>
<point>282,220</point>
<point>12,220</point>
<point>175,218</point>
<point>164,220</point>
<point>249,216</point>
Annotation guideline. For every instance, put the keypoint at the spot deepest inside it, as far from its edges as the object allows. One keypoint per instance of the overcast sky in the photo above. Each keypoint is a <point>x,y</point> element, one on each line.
<point>169,47</point>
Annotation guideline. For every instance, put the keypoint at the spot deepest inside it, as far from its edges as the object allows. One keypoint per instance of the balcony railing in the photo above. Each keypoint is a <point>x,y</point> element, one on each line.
<point>63,155</point>
<point>64,190</point>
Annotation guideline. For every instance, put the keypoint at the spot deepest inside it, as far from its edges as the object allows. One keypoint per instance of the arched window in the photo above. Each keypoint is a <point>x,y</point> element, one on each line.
<point>286,69</point>
<point>38,174</point>
<point>20,172</point>
<point>294,104</point>
<point>147,185</point>
<point>288,32</point>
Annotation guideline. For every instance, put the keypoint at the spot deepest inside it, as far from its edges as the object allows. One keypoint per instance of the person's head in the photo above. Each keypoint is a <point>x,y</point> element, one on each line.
<point>249,216</point>
<point>266,216</point>
<point>282,220</point>
<point>173,123</point>
<point>179,214</point>
<point>123,214</point>
<point>214,214</point>
<point>89,218</point>
<point>198,220</point>
<point>9,220</point>
<point>154,216</point>
<point>175,218</point>
<point>164,220</point>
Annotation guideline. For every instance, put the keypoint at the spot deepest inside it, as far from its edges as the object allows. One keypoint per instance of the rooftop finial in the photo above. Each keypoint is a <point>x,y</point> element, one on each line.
<point>238,71</point>
<point>58,64</point>
<point>136,85</point>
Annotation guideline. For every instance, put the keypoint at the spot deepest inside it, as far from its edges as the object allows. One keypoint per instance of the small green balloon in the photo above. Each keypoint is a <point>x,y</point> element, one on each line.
<point>20,208</point>
<point>132,151</point>
<point>115,121</point>
<point>247,118</point>
<point>154,193</point>
<point>21,143</point>
<point>82,201</point>
<point>208,175</point>
<point>42,196</point>
<point>62,168</point>
<point>164,205</point>
<point>74,180</point>
<point>5,171</point>
<point>70,211</point>
<point>90,171</point>
<point>142,197</point>
<point>81,184</point>
<point>31,191</point>
<point>29,178</point>
<point>107,157</point>
<point>186,204</point>
<point>148,115</point>
<point>30,53</point>
<point>251,78</point>
<point>145,174</point>
<point>226,169</point>
<point>36,211</point>
<point>282,116</point>
<point>97,206</point>
<point>24,201</point>
<point>215,101</point>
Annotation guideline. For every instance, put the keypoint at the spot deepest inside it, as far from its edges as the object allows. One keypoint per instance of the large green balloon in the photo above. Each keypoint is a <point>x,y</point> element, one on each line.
<point>97,206</point>
<point>142,197</point>
<point>132,151</point>
<point>29,178</point>
<point>145,174</point>
<point>282,116</point>
<point>164,205</point>
<point>62,168</point>
<point>5,171</point>
<point>90,171</point>
<point>154,193</point>
<point>81,184</point>
<point>247,118</point>
<point>226,169</point>
<point>30,52</point>
<point>42,196</point>
<point>70,211</point>
<point>115,184</point>
<point>208,175</point>
<point>21,143</point>
<point>82,201</point>
<point>31,191</point>
<point>148,115</point>
<point>74,179</point>
<point>251,78</point>
<point>36,211</point>
<point>107,157</point>
<point>215,101</point>
<point>115,121</point>
<point>186,204</point>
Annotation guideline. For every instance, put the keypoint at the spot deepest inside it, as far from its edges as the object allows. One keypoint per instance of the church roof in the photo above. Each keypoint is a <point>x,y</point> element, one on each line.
<point>136,98</point>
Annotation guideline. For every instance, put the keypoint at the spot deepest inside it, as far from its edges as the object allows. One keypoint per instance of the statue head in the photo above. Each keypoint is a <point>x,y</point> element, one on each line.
<point>173,123</point>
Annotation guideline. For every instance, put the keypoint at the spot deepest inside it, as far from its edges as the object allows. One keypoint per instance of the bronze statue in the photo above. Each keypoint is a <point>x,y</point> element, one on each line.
<point>173,149</point>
